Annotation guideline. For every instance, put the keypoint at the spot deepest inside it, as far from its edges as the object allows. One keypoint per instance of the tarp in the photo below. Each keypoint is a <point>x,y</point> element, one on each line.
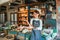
<point>3,1</point>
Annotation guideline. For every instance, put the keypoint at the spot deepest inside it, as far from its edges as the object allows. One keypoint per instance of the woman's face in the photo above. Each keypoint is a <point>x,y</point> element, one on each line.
<point>35,14</point>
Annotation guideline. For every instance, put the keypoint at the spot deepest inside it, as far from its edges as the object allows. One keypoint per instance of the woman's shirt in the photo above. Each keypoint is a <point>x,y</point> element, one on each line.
<point>37,23</point>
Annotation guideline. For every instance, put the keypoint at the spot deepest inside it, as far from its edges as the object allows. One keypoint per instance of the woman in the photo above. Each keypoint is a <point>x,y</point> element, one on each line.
<point>36,25</point>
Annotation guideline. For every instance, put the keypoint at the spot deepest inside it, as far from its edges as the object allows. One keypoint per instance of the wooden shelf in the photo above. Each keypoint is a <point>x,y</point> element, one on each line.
<point>22,15</point>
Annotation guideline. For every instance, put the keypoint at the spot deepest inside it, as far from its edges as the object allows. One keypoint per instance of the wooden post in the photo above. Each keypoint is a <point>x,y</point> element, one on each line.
<point>8,14</point>
<point>29,13</point>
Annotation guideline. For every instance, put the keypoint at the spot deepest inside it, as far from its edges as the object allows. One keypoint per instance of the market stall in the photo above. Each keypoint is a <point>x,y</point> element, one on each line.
<point>21,13</point>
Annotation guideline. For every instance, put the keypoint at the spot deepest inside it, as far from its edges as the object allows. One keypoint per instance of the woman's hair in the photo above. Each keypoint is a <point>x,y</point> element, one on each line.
<point>48,25</point>
<point>36,11</point>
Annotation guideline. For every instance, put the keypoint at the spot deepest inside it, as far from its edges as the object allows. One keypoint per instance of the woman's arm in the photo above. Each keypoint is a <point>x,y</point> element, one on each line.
<point>30,24</point>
